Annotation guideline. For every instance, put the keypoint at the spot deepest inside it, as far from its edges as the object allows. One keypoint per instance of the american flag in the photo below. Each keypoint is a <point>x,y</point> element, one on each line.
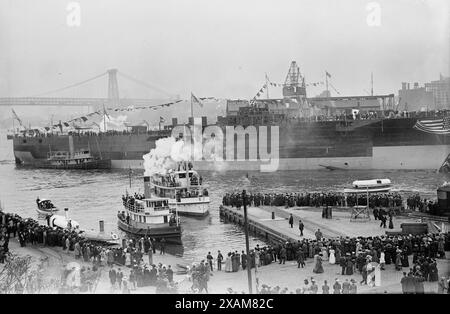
<point>437,126</point>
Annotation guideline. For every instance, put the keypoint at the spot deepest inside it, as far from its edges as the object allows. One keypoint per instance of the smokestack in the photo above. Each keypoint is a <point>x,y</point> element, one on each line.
<point>147,187</point>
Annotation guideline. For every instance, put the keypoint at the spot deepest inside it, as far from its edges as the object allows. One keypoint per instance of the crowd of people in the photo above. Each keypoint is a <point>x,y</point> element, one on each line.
<point>128,270</point>
<point>366,256</point>
<point>29,232</point>
<point>314,199</point>
<point>416,203</point>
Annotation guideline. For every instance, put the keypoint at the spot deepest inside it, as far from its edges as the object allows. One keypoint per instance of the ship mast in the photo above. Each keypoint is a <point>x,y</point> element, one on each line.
<point>371,82</point>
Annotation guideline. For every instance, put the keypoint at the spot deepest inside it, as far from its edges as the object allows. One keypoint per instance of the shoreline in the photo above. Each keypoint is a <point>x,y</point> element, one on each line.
<point>284,275</point>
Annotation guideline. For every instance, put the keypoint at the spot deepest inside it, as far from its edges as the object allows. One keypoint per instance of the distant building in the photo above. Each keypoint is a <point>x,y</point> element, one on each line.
<point>415,99</point>
<point>441,92</point>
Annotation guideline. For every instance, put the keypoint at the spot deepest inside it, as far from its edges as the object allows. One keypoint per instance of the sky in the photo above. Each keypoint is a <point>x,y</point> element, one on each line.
<point>220,48</point>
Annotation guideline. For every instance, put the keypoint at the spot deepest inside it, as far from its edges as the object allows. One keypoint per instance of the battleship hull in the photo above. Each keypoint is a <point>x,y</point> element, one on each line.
<point>362,144</point>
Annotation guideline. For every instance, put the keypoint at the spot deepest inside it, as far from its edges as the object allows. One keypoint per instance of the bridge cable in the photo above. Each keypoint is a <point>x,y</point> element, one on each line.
<point>145,84</point>
<point>70,86</point>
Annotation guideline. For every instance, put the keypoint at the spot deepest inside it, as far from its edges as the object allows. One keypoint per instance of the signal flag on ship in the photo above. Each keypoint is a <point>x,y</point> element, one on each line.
<point>195,100</point>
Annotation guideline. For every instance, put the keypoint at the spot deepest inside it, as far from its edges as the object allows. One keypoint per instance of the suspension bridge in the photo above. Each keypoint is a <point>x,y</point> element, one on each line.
<point>113,98</point>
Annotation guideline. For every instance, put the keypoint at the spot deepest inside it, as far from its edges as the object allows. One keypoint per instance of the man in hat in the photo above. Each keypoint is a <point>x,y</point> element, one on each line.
<point>291,221</point>
<point>325,288</point>
<point>353,287</point>
<point>219,260</point>
<point>346,287</point>
<point>301,226</point>
<point>283,255</point>
<point>300,258</point>
<point>210,258</point>
<point>169,273</point>
<point>337,287</point>
<point>318,235</point>
<point>314,287</point>
<point>343,264</point>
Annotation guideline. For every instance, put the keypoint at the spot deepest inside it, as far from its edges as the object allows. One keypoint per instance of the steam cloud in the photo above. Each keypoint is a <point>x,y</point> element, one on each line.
<point>166,155</point>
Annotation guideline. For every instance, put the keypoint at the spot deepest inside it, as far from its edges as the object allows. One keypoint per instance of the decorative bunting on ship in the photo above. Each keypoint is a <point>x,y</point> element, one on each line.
<point>436,126</point>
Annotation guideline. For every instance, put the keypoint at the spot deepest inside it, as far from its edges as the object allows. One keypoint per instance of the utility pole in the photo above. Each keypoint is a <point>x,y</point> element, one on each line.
<point>247,245</point>
<point>129,174</point>
<point>371,83</point>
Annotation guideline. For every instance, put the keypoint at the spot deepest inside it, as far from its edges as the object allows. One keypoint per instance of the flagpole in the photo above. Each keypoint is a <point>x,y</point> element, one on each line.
<point>192,135</point>
<point>104,118</point>
<point>192,110</point>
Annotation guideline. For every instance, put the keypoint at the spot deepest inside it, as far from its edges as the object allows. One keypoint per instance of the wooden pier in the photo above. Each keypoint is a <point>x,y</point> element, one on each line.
<point>271,223</point>
<point>261,223</point>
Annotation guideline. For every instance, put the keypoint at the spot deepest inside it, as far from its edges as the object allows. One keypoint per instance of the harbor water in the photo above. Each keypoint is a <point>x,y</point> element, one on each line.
<point>92,196</point>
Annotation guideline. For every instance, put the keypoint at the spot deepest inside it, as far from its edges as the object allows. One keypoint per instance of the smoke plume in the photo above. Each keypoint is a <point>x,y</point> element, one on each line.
<point>166,155</point>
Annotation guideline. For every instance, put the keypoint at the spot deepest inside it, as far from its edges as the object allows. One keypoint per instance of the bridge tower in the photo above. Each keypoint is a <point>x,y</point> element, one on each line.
<point>113,88</point>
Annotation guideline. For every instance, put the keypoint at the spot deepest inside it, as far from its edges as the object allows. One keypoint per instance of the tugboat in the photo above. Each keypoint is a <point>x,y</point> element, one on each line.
<point>45,207</point>
<point>184,189</point>
<point>149,217</point>
<point>81,159</point>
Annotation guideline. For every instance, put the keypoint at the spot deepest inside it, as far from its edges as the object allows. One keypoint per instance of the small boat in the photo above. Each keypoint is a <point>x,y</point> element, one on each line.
<point>149,217</point>
<point>371,186</point>
<point>332,168</point>
<point>62,222</point>
<point>45,207</point>
<point>183,187</point>
<point>81,159</point>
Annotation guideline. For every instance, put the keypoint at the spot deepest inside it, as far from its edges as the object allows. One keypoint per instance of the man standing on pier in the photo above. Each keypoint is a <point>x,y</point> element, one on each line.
<point>219,260</point>
<point>209,258</point>
<point>162,244</point>
<point>318,235</point>
<point>291,221</point>
<point>301,226</point>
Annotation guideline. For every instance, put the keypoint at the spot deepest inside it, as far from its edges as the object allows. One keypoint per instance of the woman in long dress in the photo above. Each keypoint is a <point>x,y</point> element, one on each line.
<point>257,259</point>
<point>332,259</point>
<point>324,253</point>
<point>318,268</point>
<point>398,261</point>
<point>228,264</point>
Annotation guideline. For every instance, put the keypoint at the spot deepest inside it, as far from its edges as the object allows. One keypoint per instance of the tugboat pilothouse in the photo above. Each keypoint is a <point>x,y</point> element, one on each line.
<point>149,217</point>
<point>183,187</point>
